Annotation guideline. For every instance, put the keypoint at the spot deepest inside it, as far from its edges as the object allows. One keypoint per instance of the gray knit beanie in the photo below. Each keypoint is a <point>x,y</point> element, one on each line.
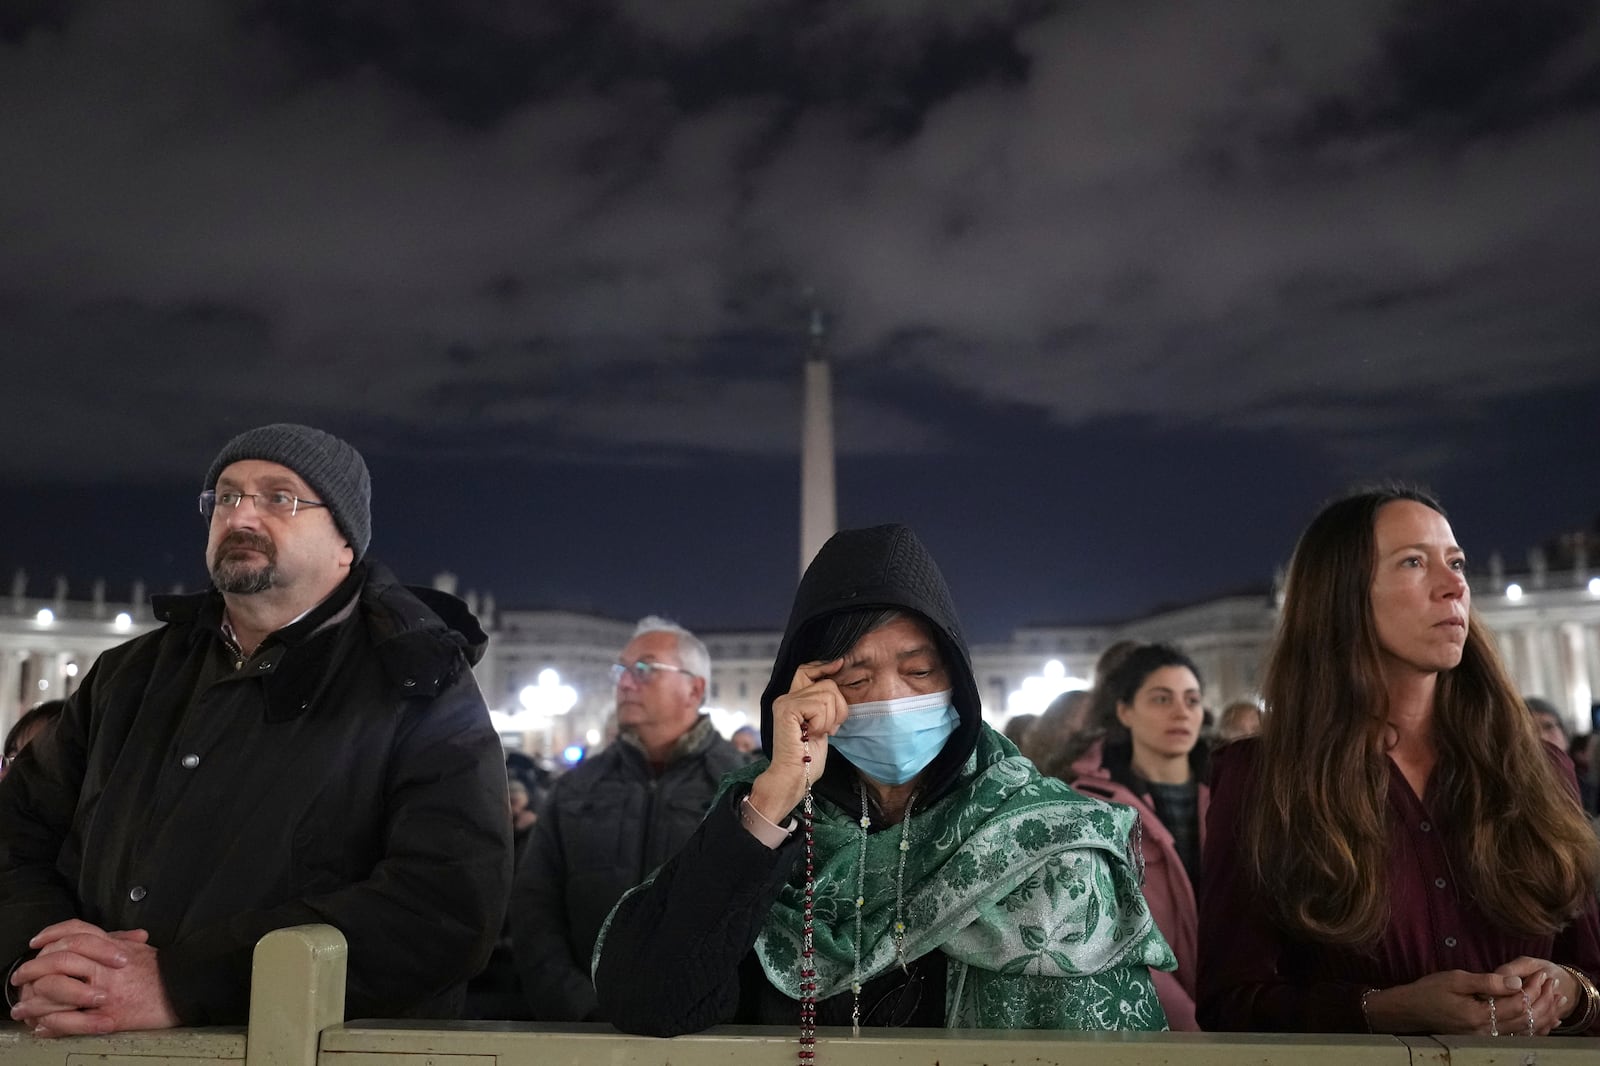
<point>334,470</point>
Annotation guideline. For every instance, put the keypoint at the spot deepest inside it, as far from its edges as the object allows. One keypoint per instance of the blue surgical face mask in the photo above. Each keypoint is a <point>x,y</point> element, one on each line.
<point>893,741</point>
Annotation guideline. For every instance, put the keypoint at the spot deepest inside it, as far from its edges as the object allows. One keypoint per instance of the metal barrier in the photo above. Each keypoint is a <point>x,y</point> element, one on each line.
<point>297,1010</point>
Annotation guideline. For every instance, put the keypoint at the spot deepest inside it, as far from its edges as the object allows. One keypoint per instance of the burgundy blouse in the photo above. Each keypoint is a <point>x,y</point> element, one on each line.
<point>1252,976</point>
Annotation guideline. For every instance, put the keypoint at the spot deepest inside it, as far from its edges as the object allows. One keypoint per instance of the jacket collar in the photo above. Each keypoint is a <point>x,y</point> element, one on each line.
<point>422,638</point>
<point>696,739</point>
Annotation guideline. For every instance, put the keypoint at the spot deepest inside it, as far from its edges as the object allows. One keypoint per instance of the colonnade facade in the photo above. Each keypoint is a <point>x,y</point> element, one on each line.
<point>1547,629</point>
<point>48,644</point>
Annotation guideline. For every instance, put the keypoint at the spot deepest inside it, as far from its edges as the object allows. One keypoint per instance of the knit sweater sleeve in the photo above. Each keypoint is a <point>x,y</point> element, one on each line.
<point>668,959</point>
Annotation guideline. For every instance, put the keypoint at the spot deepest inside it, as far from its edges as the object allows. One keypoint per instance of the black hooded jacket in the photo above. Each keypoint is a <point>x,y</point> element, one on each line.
<point>883,568</point>
<point>678,955</point>
<point>345,773</point>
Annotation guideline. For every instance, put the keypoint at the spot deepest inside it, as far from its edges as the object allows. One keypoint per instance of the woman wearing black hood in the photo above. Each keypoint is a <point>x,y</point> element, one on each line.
<point>923,875</point>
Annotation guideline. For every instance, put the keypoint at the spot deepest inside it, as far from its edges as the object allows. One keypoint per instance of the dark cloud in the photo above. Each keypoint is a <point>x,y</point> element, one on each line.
<point>584,233</point>
<point>479,62</point>
<point>1451,72</point>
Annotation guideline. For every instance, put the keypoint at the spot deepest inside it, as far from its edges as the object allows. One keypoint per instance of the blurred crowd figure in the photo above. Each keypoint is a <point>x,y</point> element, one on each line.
<point>607,823</point>
<point>27,728</point>
<point>1239,719</point>
<point>1017,730</point>
<point>747,738</point>
<point>1580,748</point>
<point>1551,726</point>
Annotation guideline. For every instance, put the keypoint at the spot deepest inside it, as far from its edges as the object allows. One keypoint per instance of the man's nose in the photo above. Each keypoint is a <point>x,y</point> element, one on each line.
<point>243,515</point>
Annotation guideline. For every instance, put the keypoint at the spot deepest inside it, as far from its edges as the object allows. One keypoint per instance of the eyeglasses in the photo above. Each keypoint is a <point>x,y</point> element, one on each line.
<point>642,671</point>
<point>278,503</point>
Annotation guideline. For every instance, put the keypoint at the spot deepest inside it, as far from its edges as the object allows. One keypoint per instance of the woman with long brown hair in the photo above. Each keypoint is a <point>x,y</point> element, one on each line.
<point>1397,852</point>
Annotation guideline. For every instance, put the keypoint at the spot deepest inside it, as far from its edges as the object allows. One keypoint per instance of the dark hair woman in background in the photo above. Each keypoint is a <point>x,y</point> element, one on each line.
<point>27,729</point>
<point>1146,754</point>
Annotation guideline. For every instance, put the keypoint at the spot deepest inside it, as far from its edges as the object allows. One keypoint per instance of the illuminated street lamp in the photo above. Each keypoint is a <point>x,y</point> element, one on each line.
<point>549,697</point>
<point>1036,693</point>
<point>727,722</point>
<point>541,704</point>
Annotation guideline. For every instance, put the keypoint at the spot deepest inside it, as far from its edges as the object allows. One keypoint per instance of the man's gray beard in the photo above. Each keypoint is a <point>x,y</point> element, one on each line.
<point>243,580</point>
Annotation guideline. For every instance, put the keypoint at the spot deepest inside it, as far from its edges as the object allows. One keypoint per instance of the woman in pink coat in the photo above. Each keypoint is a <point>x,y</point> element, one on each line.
<point>1144,751</point>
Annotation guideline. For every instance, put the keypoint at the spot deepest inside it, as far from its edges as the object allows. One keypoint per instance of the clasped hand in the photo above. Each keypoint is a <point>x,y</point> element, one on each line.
<point>1485,1004</point>
<point>87,980</point>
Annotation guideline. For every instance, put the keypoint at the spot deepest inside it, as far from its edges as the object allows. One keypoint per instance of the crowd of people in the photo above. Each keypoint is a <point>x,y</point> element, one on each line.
<point>1392,840</point>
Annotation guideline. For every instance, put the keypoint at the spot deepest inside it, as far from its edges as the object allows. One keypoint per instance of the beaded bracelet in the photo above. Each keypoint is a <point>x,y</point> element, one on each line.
<point>1364,1016</point>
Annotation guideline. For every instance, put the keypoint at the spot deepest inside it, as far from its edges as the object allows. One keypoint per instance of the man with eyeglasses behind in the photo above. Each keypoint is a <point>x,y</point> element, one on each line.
<point>304,742</point>
<point>615,817</point>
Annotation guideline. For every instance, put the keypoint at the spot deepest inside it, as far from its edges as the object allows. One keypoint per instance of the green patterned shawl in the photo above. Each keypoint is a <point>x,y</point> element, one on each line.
<point>1027,887</point>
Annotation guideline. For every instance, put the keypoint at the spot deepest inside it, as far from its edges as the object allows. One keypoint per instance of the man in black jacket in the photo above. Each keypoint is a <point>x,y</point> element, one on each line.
<point>612,819</point>
<point>302,743</point>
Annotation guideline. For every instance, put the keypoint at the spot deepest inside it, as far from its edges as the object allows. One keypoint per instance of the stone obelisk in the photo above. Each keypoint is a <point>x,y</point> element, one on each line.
<point>818,517</point>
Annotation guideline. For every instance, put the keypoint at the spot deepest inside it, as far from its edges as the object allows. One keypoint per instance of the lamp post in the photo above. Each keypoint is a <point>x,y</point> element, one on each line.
<point>1035,693</point>
<point>541,703</point>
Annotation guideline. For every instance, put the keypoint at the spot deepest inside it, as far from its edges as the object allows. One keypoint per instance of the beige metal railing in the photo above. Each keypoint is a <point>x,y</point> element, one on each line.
<point>297,1010</point>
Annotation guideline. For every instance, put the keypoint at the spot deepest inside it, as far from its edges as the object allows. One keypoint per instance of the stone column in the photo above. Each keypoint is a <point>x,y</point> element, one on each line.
<point>1579,690</point>
<point>29,670</point>
<point>1532,681</point>
<point>818,507</point>
<point>10,688</point>
<point>1591,658</point>
<point>1552,648</point>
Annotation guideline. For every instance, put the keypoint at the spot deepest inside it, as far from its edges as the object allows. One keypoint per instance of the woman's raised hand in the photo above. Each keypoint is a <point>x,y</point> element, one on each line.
<point>812,699</point>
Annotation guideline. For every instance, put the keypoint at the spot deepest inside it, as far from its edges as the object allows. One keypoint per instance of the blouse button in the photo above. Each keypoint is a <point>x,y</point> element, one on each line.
<point>1425,826</point>
<point>136,893</point>
<point>1449,941</point>
<point>1438,882</point>
<point>190,761</point>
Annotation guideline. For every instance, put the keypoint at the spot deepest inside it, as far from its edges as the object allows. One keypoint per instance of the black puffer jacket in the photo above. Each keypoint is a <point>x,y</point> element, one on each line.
<point>609,822</point>
<point>347,773</point>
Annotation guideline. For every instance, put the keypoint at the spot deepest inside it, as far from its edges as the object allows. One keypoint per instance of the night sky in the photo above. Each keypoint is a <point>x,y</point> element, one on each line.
<point>1118,291</point>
